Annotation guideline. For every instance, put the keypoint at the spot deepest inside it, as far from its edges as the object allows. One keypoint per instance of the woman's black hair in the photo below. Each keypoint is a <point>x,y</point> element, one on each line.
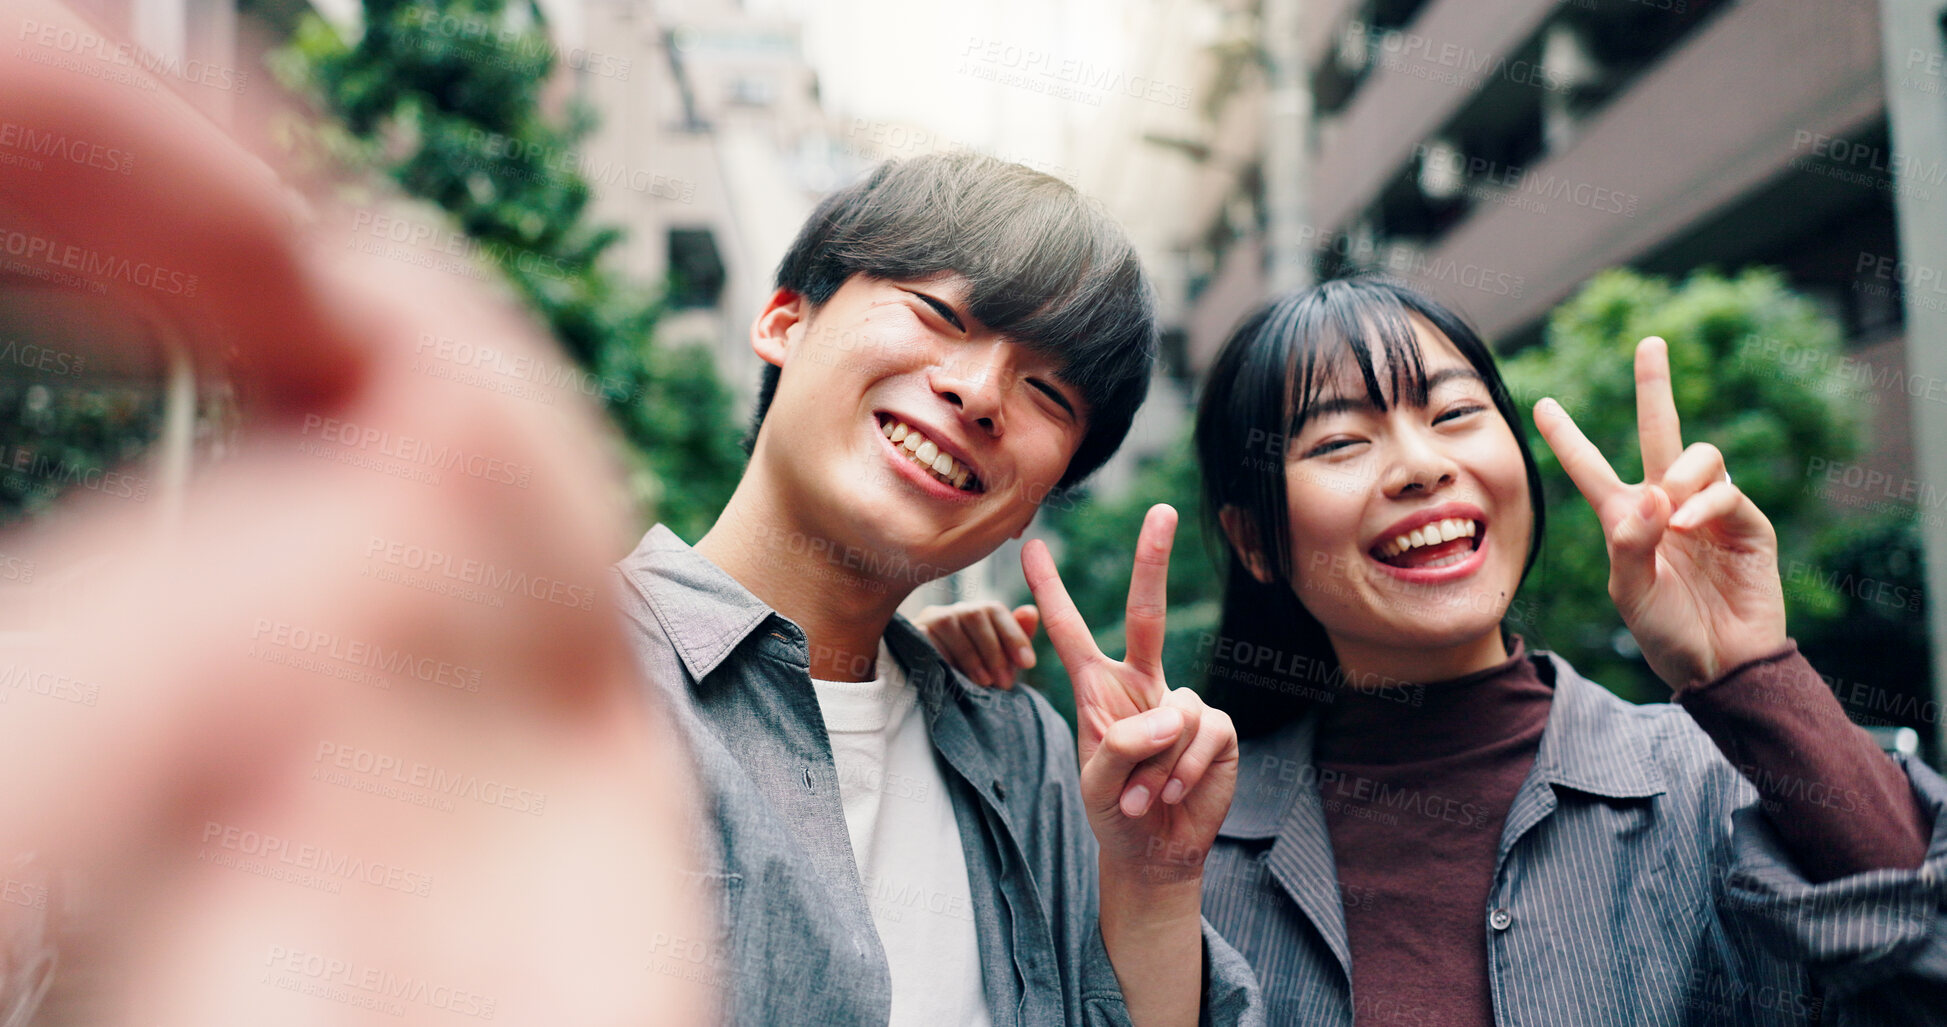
<point>1272,659</point>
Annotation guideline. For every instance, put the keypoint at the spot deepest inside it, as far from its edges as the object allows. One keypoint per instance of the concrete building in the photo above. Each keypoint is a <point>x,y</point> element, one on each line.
<point>711,151</point>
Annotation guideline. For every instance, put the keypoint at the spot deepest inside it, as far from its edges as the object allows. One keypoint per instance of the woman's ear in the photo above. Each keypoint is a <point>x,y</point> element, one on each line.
<point>778,325</point>
<point>1242,532</point>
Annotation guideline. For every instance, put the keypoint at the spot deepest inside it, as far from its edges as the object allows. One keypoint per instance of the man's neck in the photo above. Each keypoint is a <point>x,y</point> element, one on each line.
<point>843,612</point>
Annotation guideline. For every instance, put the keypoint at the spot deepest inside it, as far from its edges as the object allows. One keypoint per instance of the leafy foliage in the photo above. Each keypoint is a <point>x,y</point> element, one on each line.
<point>1749,367</point>
<point>448,98</point>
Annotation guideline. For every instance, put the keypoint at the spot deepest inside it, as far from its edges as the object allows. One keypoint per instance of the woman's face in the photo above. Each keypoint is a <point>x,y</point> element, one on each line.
<point>1409,527</point>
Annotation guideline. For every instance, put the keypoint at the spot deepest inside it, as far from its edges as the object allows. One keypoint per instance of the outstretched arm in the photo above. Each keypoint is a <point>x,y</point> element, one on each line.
<point>1157,768</point>
<point>1693,569</point>
<point>235,674</point>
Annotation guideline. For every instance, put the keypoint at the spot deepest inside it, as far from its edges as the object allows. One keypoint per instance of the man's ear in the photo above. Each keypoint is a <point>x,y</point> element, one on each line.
<point>778,325</point>
<point>1242,532</point>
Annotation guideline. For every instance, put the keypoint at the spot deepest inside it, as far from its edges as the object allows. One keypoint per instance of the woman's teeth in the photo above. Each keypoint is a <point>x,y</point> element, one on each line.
<point>924,453</point>
<point>1431,535</point>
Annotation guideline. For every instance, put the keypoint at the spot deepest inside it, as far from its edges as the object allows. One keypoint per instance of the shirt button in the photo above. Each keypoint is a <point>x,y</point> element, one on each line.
<point>1500,919</point>
<point>1000,792</point>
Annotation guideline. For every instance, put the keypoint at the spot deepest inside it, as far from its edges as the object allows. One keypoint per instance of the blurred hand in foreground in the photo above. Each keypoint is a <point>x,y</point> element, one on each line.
<point>336,743</point>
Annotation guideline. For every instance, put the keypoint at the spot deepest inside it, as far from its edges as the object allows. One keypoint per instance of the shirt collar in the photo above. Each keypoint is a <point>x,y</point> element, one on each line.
<point>1589,745</point>
<point>707,613</point>
<point>703,610</point>
<point>1268,777</point>
<point>1594,742</point>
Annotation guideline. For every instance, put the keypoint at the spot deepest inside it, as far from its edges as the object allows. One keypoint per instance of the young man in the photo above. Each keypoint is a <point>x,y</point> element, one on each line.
<point>950,339</point>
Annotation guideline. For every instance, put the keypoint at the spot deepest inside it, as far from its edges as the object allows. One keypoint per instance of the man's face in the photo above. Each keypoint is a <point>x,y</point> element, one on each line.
<point>904,427</point>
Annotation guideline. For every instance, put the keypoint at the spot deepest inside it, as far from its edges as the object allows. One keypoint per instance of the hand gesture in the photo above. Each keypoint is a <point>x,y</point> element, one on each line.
<point>240,775</point>
<point>1693,563</point>
<point>985,641</point>
<point>1140,741</point>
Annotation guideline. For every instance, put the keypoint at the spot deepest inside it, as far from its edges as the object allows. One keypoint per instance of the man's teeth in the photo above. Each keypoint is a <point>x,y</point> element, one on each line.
<point>1431,535</point>
<point>924,453</point>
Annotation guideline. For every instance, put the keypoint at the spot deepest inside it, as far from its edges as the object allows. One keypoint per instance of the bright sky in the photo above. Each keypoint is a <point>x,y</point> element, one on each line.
<point>926,64</point>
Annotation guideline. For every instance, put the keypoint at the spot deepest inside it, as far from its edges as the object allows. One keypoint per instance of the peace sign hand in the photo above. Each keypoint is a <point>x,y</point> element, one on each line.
<point>1693,563</point>
<point>1139,740</point>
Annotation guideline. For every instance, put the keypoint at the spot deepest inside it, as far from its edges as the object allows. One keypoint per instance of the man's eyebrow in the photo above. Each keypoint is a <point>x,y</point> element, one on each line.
<point>938,307</point>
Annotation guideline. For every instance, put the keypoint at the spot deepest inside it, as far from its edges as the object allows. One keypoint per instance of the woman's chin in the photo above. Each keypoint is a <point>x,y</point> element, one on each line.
<point>1437,637</point>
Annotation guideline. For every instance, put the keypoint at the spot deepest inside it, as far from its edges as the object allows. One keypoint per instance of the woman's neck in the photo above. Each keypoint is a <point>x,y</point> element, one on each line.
<point>1435,714</point>
<point>1368,666</point>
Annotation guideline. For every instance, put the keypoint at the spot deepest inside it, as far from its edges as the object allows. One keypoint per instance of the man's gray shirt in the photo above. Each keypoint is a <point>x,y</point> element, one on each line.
<point>796,942</point>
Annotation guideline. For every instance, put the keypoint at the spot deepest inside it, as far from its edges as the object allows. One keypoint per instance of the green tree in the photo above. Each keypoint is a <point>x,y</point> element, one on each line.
<point>445,98</point>
<point>1750,365</point>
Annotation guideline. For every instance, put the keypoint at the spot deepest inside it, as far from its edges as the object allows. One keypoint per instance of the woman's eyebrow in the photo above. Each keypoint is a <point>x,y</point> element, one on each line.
<point>1447,374</point>
<point>1339,405</point>
<point>1364,404</point>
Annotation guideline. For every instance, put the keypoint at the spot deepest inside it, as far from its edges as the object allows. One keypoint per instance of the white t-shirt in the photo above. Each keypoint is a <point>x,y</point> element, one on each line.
<point>907,846</point>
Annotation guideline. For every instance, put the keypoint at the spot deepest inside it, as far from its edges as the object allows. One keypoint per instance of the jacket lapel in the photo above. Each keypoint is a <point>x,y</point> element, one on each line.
<point>1277,798</point>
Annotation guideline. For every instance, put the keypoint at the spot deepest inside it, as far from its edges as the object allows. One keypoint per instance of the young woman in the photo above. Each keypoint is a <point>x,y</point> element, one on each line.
<point>1434,824</point>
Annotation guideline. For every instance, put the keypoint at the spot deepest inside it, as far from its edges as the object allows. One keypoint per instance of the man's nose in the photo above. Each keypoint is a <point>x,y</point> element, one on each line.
<point>975,383</point>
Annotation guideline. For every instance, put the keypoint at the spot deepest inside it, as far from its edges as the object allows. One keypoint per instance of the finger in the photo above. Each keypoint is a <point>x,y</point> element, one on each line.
<point>1584,463</point>
<point>1066,630</point>
<point>1216,741</point>
<point>1017,631</point>
<point>1632,547</point>
<point>1658,431</point>
<point>981,631</point>
<point>1124,746</point>
<point>931,615</point>
<point>960,652</point>
<point>201,204</point>
<point>1149,583</point>
<point>1150,779</point>
<point>1722,504</point>
<point>1700,466</point>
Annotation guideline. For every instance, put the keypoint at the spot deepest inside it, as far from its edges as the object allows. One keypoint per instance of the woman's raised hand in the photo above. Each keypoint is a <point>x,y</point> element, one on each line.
<point>1139,740</point>
<point>1693,563</point>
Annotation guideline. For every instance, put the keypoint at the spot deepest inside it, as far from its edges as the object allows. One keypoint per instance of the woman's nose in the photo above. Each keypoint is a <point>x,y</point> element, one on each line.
<point>1421,466</point>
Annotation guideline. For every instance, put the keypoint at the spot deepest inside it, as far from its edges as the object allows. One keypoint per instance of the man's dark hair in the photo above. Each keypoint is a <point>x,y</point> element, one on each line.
<point>1043,264</point>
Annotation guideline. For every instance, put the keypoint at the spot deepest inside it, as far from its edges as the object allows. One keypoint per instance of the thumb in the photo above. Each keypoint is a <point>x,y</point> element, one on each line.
<point>1633,541</point>
<point>1123,747</point>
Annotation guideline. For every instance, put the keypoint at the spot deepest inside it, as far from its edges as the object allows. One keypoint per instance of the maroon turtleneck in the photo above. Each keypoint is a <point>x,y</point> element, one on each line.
<point>1417,789</point>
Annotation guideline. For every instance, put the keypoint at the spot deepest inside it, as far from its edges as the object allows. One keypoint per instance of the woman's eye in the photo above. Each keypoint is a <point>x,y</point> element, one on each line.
<point>1459,412</point>
<point>1330,446</point>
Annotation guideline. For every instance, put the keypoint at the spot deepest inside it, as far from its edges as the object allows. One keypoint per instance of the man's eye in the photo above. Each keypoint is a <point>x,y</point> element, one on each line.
<point>1054,396</point>
<point>1459,412</point>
